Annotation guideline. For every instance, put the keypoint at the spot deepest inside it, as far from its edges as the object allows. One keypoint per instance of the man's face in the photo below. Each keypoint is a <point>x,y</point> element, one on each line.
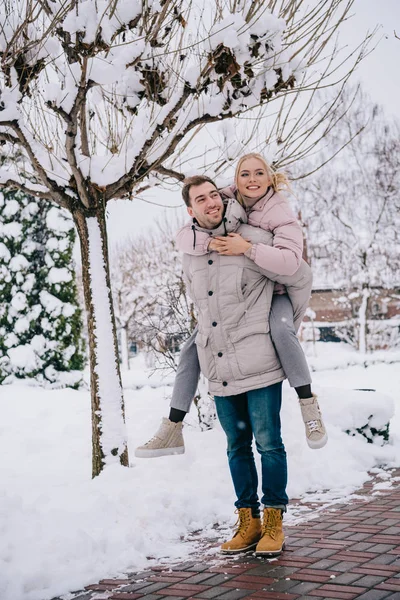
<point>206,205</point>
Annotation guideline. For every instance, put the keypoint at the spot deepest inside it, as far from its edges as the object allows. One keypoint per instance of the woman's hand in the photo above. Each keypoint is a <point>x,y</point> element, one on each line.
<point>215,245</point>
<point>232,245</point>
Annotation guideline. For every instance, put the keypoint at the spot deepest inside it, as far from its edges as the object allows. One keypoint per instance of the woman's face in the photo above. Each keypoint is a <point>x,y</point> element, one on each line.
<point>253,179</point>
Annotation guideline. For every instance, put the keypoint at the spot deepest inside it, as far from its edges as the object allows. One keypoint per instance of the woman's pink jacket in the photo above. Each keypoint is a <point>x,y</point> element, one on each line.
<point>272,213</point>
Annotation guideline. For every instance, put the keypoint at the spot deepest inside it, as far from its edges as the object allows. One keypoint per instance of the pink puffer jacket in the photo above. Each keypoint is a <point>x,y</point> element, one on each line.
<point>271,213</point>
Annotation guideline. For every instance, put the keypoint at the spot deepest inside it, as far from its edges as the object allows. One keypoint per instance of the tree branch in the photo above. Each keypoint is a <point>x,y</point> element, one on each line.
<point>11,184</point>
<point>57,194</point>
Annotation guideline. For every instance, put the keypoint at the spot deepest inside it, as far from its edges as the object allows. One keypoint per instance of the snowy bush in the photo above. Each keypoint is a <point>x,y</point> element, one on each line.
<point>40,320</point>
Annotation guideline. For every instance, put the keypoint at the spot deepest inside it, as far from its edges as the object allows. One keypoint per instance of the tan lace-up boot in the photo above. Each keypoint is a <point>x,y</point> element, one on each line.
<point>315,429</point>
<point>168,439</point>
<point>272,541</point>
<point>247,534</point>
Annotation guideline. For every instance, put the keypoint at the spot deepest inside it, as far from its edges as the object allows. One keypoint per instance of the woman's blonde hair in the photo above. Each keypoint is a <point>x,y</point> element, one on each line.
<point>279,181</point>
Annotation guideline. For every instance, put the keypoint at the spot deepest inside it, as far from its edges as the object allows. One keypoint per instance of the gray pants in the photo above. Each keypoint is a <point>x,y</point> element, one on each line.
<point>286,344</point>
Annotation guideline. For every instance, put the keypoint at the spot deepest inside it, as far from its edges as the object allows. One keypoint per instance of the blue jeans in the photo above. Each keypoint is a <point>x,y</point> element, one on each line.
<point>255,413</point>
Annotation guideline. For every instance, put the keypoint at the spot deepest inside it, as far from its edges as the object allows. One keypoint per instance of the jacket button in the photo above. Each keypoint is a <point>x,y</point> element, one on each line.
<point>220,354</point>
<point>224,383</point>
<point>214,323</point>
<point>210,262</point>
<point>210,293</point>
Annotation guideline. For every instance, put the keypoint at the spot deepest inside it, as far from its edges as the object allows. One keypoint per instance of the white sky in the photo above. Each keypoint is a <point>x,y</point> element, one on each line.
<point>377,74</point>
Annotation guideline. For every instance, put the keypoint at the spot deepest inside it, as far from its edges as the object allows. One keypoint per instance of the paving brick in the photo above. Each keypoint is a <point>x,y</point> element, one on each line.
<point>340,535</point>
<point>155,587</point>
<point>379,548</point>
<point>124,596</point>
<point>325,563</point>
<point>310,577</point>
<point>169,597</point>
<point>247,585</point>
<point>375,570</point>
<point>362,546</point>
<point>234,594</point>
<point>189,587</point>
<point>303,587</point>
<point>347,578</point>
<point>198,567</point>
<point>172,592</point>
<point>350,589</point>
<point>393,587</point>
<point>212,592</point>
<point>273,596</point>
<point>344,566</point>
<point>280,572</point>
<point>305,551</point>
<point>359,537</point>
<point>395,596</point>
<point>324,553</point>
<point>319,572</point>
<point>253,578</point>
<point>219,579</point>
<point>374,595</point>
<point>284,585</point>
<point>385,559</point>
<point>370,581</point>
<point>176,573</point>
<point>229,569</point>
<point>200,577</point>
<point>134,587</point>
<point>333,594</point>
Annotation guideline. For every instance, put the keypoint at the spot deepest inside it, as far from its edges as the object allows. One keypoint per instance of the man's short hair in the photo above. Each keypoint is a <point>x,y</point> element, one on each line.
<point>193,181</point>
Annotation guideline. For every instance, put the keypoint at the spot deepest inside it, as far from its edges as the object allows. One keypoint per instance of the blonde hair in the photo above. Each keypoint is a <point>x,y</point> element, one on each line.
<point>279,180</point>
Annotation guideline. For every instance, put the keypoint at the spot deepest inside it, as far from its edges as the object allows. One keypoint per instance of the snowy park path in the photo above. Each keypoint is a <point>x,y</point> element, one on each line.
<point>349,551</point>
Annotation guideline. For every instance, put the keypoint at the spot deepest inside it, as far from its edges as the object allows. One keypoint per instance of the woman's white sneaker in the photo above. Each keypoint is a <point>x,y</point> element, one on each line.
<point>167,440</point>
<point>315,429</point>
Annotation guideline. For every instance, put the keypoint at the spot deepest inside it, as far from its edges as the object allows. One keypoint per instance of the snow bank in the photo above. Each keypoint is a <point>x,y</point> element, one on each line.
<point>60,531</point>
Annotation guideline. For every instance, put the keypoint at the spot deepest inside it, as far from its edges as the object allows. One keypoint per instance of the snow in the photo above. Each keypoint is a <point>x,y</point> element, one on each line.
<point>60,530</point>
<point>109,388</point>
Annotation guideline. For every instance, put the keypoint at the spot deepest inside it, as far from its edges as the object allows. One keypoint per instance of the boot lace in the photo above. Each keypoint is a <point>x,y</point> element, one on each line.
<point>313,426</point>
<point>242,522</point>
<point>270,522</point>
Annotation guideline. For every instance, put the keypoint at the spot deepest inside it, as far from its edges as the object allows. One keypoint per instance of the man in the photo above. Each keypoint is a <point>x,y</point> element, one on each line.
<point>233,296</point>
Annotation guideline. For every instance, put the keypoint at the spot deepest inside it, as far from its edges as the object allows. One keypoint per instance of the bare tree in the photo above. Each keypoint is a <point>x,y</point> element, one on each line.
<point>99,99</point>
<point>352,212</point>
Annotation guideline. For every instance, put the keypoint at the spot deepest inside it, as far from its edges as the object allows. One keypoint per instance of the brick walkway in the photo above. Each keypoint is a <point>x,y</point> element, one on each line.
<point>347,552</point>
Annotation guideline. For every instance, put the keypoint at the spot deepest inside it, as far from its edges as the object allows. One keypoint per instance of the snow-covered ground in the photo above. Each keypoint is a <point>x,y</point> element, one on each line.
<point>59,530</point>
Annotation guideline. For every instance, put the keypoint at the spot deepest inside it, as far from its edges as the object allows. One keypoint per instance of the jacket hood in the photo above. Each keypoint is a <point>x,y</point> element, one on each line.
<point>234,216</point>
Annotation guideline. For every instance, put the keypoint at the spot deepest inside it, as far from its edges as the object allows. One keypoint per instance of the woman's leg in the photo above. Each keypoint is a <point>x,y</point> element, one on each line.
<point>287,345</point>
<point>294,364</point>
<point>264,407</point>
<point>187,376</point>
<point>234,417</point>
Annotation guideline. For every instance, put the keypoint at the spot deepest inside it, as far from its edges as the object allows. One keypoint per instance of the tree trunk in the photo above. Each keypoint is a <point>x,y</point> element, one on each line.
<point>109,440</point>
<point>124,348</point>
<point>362,320</point>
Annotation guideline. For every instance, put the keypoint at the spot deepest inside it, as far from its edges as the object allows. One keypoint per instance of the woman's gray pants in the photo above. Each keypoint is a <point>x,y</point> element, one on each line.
<point>286,345</point>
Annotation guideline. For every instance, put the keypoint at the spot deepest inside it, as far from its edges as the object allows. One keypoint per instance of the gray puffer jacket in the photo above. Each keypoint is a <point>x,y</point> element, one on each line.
<point>233,298</point>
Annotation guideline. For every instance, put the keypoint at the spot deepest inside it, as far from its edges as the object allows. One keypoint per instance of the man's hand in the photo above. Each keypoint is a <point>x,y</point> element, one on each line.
<point>232,245</point>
